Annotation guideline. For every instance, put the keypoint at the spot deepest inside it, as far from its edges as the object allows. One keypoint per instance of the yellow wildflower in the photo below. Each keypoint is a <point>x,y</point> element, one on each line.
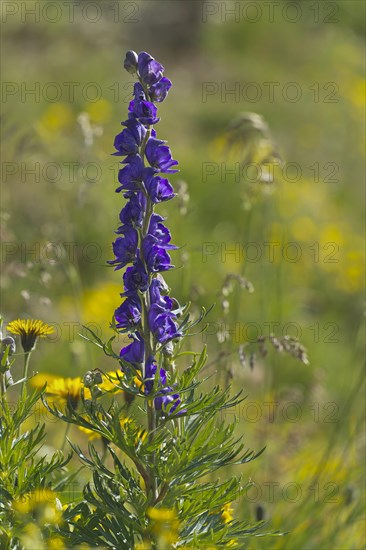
<point>110,381</point>
<point>58,116</point>
<point>99,111</point>
<point>29,330</point>
<point>56,543</point>
<point>227,513</point>
<point>161,514</point>
<point>165,525</point>
<point>66,388</point>
<point>43,503</point>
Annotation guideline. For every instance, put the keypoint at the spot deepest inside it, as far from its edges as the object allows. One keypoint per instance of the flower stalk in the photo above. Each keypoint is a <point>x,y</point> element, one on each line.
<point>147,313</point>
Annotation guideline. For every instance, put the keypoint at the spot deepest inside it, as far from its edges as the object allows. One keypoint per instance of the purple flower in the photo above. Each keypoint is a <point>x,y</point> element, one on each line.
<point>150,71</point>
<point>158,285</point>
<point>159,156</point>
<point>160,232</point>
<point>125,248</point>
<point>159,91</point>
<point>135,278</point>
<point>133,212</point>
<point>128,315</point>
<point>144,111</point>
<point>165,398</point>
<point>159,189</point>
<point>130,139</point>
<point>138,92</point>
<point>150,372</point>
<point>162,324</point>
<point>134,352</point>
<point>156,257</point>
<point>130,177</point>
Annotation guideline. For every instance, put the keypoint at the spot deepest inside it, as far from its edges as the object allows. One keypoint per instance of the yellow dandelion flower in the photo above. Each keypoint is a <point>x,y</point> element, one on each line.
<point>41,379</point>
<point>29,330</point>
<point>65,388</point>
<point>227,513</point>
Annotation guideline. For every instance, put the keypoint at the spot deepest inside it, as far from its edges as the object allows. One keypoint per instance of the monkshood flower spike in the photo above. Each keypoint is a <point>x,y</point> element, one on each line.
<point>147,312</point>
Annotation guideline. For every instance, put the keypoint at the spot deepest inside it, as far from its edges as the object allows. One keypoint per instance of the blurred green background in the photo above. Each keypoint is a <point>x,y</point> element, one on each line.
<point>299,65</point>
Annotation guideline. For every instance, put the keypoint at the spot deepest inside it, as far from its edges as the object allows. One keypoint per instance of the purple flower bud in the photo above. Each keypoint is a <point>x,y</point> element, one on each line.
<point>130,62</point>
<point>150,71</point>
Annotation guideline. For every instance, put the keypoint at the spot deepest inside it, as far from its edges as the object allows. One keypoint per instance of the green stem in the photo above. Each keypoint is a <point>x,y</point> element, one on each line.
<point>2,384</point>
<point>67,431</point>
<point>27,356</point>
<point>151,489</point>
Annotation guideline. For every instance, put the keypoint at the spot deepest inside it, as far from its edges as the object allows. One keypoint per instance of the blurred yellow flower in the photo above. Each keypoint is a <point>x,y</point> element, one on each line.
<point>111,382</point>
<point>91,435</point>
<point>304,228</point>
<point>29,330</point>
<point>57,117</point>
<point>99,303</point>
<point>56,543</point>
<point>99,111</point>
<point>227,513</point>
<point>43,502</point>
<point>162,514</point>
<point>61,388</point>
<point>125,423</point>
<point>165,525</point>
